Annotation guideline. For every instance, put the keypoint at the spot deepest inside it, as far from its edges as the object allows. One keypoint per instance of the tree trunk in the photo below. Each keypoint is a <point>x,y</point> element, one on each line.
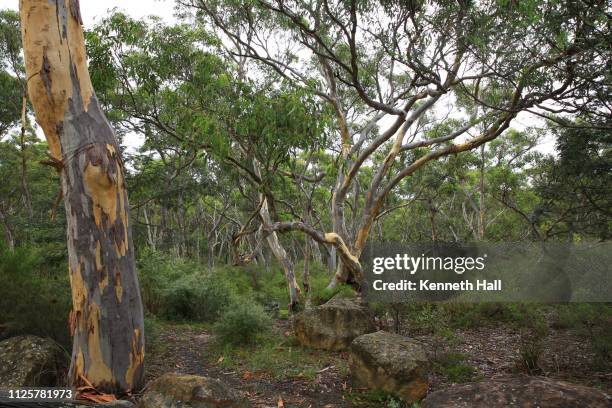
<point>27,197</point>
<point>331,260</point>
<point>282,257</point>
<point>8,231</point>
<point>306,277</point>
<point>432,220</point>
<point>316,253</point>
<point>277,248</point>
<point>150,235</point>
<point>481,197</point>
<point>107,316</point>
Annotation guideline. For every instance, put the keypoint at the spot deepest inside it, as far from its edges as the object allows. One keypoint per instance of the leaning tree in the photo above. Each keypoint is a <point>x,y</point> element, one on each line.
<point>391,70</point>
<point>107,317</point>
<point>201,103</point>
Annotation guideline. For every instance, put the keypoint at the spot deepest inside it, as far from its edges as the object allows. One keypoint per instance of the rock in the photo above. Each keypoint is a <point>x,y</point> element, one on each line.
<point>30,361</point>
<point>173,390</point>
<point>333,325</point>
<point>518,391</point>
<point>391,363</point>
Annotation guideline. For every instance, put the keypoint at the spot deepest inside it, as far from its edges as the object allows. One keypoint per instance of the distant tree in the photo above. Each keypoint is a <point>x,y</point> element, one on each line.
<point>408,61</point>
<point>574,187</point>
<point>11,67</point>
<point>167,83</point>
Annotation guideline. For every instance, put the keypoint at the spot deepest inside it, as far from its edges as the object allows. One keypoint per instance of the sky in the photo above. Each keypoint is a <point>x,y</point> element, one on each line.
<point>94,10</point>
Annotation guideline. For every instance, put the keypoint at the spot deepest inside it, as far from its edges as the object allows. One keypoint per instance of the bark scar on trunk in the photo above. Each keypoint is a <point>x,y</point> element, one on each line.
<point>75,10</point>
<point>45,74</point>
<point>97,370</point>
<point>137,356</point>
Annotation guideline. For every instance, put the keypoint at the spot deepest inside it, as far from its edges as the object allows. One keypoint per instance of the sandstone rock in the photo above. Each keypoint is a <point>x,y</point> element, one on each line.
<point>518,391</point>
<point>333,325</point>
<point>174,390</point>
<point>30,361</point>
<point>391,363</point>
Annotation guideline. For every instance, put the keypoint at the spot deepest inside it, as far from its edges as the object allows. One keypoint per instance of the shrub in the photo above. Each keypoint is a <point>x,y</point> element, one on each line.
<point>195,297</point>
<point>593,321</point>
<point>178,289</point>
<point>530,353</point>
<point>33,299</point>
<point>518,315</point>
<point>324,294</point>
<point>270,287</point>
<point>158,271</point>
<point>243,323</point>
<point>453,366</point>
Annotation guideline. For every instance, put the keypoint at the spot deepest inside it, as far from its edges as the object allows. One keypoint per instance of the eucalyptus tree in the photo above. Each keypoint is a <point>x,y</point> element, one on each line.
<point>573,189</point>
<point>13,95</point>
<point>11,67</point>
<point>166,83</point>
<point>410,62</point>
<point>106,320</point>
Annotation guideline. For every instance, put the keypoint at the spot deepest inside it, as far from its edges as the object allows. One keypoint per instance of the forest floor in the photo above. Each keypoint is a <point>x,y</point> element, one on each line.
<point>319,379</point>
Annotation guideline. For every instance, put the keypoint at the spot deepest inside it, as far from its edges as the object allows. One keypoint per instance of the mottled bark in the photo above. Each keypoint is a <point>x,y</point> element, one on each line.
<point>107,318</point>
<point>277,248</point>
<point>9,236</point>
<point>27,197</point>
<point>150,234</point>
<point>306,277</point>
<point>432,220</point>
<point>282,257</point>
<point>481,198</point>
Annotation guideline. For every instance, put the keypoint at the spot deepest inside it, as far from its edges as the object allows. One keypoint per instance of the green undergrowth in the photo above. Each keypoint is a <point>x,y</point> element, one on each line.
<point>454,367</point>
<point>276,357</point>
<point>324,294</point>
<point>593,322</point>
<point>34,295</point>
<point>179,289</point>
<point>375,398</point>
<point>444,318</point>
<point>243,323</point>
<point>516,315</point>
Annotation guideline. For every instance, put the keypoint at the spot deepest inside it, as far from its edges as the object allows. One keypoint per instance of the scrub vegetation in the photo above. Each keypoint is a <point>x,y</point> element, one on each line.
<point>275,141</point>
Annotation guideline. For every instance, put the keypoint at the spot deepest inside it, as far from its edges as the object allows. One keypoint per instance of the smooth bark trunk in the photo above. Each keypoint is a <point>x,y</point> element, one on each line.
<point>306,277</point>
<point>27,197</point>
<point>282,257</point>
<point>107,317</point>
<point>9,236</point>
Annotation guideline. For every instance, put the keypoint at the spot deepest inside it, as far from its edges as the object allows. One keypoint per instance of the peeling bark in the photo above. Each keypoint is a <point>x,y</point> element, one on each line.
<point>107,318</point>
<point>27,197</point>
<point>282,257</point>
<point>277,248</point>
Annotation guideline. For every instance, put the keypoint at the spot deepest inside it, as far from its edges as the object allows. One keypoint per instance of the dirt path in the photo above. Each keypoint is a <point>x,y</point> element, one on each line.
<point>491,351</point>
<point>186,350</point>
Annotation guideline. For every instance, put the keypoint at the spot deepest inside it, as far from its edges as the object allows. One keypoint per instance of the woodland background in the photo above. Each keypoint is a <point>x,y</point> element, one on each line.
<point>209,101</point>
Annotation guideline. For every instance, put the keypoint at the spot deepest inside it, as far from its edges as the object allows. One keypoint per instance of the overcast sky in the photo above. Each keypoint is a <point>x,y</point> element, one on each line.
<point>93,10</point>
